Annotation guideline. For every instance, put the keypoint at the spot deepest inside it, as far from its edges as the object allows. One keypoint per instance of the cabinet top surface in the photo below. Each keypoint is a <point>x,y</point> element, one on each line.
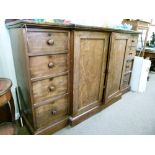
<point>32,24</point>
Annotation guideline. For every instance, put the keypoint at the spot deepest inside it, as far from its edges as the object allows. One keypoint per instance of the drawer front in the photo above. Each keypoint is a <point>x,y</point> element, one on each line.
<point>45,89</point>
<point>133,41</point>
<point>129,64</point>
<point>125,84</point>
<point>131,52</point>
<point>47,41</point>
<point>126,80</point>
<point>51,112</point>
<point>47,65</point>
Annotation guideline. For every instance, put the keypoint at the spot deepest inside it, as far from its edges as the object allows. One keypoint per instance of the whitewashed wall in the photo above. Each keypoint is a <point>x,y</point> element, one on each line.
<point>6,60</point>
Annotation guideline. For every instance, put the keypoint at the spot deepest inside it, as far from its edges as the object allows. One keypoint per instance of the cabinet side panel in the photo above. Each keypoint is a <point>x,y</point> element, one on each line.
<point>19,55</point>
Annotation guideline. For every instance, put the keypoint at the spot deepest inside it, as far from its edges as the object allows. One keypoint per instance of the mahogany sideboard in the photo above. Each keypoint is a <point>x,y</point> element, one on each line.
<point>67,73</point>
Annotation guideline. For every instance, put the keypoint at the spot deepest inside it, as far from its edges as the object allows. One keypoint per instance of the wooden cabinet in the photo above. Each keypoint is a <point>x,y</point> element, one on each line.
<point>66,73</point>
<point>90,56</point>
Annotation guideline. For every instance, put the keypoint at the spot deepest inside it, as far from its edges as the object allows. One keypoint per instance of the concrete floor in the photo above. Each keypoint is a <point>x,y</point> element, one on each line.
<point>134,114</point>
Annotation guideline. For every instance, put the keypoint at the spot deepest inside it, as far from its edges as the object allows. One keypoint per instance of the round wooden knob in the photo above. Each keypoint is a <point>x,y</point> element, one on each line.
<point>50,42</point>
<point>133,41</point>
<point>53,112</point>
<point>51,64</point>
<point>130,53</point>
<point>51,78</point>
<point>51,88</point>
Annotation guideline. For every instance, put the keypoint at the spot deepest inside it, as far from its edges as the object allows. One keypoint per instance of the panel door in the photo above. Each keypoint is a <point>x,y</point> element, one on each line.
<point>118,48</point>
<point>90,56</point>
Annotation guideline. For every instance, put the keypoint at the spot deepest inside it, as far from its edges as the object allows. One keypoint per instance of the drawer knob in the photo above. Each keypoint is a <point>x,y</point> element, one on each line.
<point>53,112</point>
<point>51,78</point>
<point>51,88</point>
<point>133,41</point>
<point>51,65</point>
<point>50,42</point>
<point>49,34</point>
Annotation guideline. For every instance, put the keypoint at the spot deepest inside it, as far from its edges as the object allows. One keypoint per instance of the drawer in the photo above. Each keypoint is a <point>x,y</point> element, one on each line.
<point>126,80</point>
<point>133,41</point>
<point>47,65</point>
<point>45,89</point>
<point>128,66</point>
<point>51,112</point>
<point>126,77</point>
<point>125,84</point>
<point>131,52</point>
<point>47,41</point>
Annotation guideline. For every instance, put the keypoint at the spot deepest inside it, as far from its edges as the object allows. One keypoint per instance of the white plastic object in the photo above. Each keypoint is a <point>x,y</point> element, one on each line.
<point>139,75</point>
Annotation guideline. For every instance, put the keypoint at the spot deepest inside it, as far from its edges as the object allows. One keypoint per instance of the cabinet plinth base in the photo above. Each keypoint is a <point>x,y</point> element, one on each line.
<point>50,129</point>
